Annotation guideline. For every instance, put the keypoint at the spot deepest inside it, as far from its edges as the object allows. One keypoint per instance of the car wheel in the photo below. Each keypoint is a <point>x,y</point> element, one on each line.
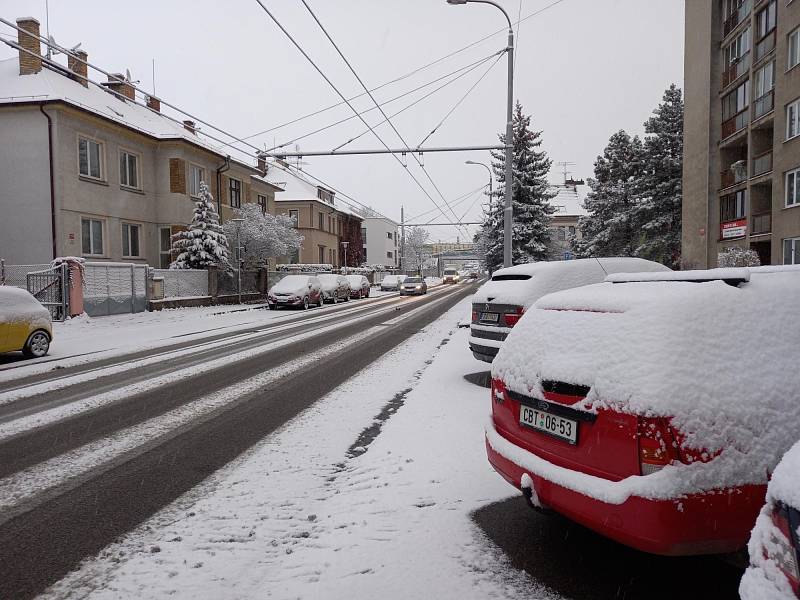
<point>37,345</point>
<point>336,299</point>
<point>360,294</point>
<point>347,297</point>
<point>305,303</point>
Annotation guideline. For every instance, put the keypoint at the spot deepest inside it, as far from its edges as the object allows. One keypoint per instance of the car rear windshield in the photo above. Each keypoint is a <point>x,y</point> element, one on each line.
<point>413,280</point>
<point>510,277</point>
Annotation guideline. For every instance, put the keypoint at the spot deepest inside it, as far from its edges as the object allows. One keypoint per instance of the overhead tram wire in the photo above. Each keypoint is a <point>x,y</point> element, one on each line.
<point>467,69</point>
<point>410,73</point>
<point>330,83</point>
<point>455,202</point>
<point>287,168</point>
<point>399,135</point>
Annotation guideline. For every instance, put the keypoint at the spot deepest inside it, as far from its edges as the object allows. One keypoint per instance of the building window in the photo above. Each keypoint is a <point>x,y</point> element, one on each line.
<point>196,176</point>
<point>90,158</point>
<point>294,215</point>
<point>732,206</point>
<point>766,20</point>
<point>321,221</point>
<point>235,193</point>
<point>262,202</point>
<point>561,234</point>
<point>130,240</point>
<point>92,237</point>
<point>330,228</point>
<point>737,48</point>
<point>794,48</point>
<point>364,251</point>
<point>165,246</point>
<point>736,101</point>
<point>325,196</point>
<point>388,255</point>
<point>364,235</point>
<point>791,251</point>
<point>128,169</point>
<point>764,80</point>
<point>793,188</point>
<point>571,231</point>
<point>792,119</point>
<point>389,235</point>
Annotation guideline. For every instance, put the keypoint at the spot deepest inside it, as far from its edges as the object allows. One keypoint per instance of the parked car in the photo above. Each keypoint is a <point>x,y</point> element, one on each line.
<point>774,548</point>
<point>450,276</point>
<point>633,407</point>
<point>25,324</point>
<point>295,290</point>
<point>359,286</point>
<point>334,287</point>
<point>391,283</point>
<point>473,275</point>
<point>413,286</point>
<point>501,301</point>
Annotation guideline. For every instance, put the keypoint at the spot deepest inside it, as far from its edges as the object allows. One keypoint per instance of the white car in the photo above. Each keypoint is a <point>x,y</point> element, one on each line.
<point>501,301</point>
<point>295,290</point>
<point>391,283</point>
<point>334,287</point>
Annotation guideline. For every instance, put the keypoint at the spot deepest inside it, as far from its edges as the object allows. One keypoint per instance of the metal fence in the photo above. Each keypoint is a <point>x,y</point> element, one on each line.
<point>182,283</point>
<point>50,288</point>
<point>227,282</point>
<point>16,275</point>
<point>114,288</point>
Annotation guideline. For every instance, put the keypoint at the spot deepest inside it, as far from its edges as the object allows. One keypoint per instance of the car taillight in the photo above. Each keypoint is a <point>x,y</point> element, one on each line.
<point>498,391</point>
<point>781,550</point>
<point>512,318</point>
<point>657,447</point>
<point>474,316</point>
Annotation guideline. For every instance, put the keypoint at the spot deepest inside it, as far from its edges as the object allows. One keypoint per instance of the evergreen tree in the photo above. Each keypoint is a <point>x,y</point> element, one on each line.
<point>658,211</point>
<point>203,244</point>
<point>610,228</point>
<point>530,199</point>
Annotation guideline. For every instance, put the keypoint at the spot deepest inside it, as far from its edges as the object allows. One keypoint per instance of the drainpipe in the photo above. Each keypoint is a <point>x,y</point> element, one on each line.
<point>52,181</point>
<point>222,168</point>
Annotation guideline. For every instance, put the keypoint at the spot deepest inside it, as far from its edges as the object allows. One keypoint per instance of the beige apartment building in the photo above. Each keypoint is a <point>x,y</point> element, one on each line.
<point>93,172</point>
<point>741,178</point>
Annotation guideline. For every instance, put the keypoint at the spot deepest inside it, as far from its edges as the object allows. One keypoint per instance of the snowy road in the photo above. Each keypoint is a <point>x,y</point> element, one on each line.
<point>90,449</point>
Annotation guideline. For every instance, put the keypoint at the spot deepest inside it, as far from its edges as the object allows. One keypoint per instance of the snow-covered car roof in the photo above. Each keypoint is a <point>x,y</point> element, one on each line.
<point>291,282</point>
<point>355,278</point>
<point>674,349</point>
<point>540,278</point>
<point>18,305</point>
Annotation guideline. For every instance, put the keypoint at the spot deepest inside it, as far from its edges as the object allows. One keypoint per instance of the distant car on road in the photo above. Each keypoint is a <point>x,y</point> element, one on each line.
<point>391,283</point>
<point>295,290</point>
<point>25,324</point>
<point>359,286</point>
<point>334,287</point>
<point>473,275</point>
<point>501,301</point>
<point>450,276</point>
<point>413,286</point>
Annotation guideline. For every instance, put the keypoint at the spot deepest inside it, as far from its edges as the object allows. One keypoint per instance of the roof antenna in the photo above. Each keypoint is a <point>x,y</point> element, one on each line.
<point>47,23</point>
<point>154,75</point>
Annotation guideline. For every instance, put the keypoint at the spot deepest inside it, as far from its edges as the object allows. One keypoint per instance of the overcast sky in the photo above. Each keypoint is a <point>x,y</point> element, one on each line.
<point>585,69</point>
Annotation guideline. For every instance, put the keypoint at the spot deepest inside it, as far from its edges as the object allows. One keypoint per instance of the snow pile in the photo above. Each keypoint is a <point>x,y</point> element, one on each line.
<point>764,580</point>
<point>18,306</point>
<point>674,349</point>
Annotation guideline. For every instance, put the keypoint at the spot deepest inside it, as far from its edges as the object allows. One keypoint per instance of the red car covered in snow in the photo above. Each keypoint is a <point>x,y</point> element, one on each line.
<point>631,406</point>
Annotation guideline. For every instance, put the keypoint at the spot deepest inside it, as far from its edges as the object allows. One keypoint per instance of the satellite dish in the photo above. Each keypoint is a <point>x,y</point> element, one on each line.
<point>128,77</point>
<point>75,47</point>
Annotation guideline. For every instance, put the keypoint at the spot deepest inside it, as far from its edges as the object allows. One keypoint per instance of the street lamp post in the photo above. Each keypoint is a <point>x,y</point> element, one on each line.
<point>508,211</point>
<point>485,166</point>
<point>345,245</point>
<point>238,222</point>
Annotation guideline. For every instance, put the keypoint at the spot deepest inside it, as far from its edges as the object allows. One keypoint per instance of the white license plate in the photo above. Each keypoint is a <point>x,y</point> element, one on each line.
<point>566,429</point>
<point>283,299</point>
<point>491,317</point>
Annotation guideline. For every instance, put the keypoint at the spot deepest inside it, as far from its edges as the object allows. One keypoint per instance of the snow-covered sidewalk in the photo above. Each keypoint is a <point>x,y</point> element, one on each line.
<point>367,494</point>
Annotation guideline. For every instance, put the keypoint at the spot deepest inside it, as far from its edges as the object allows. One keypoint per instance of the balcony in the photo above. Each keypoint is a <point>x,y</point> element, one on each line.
<point>736,17</point>
<point>736,123</point>
<point>762,164</point>
<point>736,70</point>
<point>764,105</point>
<point>761,224</point>
<point>764,47</point>
<point>736,173</point>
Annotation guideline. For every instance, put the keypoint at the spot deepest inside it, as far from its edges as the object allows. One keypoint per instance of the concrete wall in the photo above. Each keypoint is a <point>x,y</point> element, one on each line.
<point>378,244</point>
<point>25,213</point>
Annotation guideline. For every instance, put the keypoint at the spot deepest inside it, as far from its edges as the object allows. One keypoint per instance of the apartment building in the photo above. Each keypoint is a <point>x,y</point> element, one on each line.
<point>381,242</point>
<point>564,227</point>
<point>101,173</point>
<point>741,179</point>
<point>322,222</point>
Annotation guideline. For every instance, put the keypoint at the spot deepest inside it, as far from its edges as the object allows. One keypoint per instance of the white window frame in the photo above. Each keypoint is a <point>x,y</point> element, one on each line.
<point>794,176</point>
<point>794,108</point>
<point>760,88</point>
<point>195,193</point>
<point>294,215</point>
<point>131,226</point>
<point>91,244</point>
<point>794,243</point>
<point>793,38</point>
<point>100,157</point>
<point>138,159</point>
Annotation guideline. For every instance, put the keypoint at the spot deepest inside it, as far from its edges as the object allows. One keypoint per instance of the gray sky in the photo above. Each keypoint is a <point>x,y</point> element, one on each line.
<point>585,69</point>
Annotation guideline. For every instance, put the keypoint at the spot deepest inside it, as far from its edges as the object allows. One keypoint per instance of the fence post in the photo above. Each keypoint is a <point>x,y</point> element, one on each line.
<point>2,272</point>
<point>212,283</point>
<point>133,288</point>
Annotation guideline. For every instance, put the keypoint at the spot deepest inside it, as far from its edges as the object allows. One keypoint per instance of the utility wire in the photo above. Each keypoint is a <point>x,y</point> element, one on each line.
<point>454,202</point>
<point>457,104</point>
<point>399,135</point>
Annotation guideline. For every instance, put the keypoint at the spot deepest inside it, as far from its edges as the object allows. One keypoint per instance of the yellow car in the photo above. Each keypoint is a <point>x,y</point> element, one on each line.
<point>24,323</point>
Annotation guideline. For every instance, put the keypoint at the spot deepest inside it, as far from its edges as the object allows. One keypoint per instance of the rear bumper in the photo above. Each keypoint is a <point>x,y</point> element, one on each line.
<point>484,353</point>
<point>705,523</point>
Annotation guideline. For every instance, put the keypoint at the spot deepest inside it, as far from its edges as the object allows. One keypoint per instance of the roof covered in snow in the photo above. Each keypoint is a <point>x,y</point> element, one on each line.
<point>297,187</point>
<point>568,201</point>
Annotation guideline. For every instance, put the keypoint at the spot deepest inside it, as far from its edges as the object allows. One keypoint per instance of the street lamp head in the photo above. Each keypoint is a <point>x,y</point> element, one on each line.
<point>456,1</point>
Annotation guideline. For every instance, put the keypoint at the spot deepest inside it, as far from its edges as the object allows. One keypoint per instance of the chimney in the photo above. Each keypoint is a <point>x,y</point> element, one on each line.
<point>117,83</point>
<point>154,103</point>
<point>29,40</point>
<point>189,126</point>
<point>76,62</point>
<point>262,163</point>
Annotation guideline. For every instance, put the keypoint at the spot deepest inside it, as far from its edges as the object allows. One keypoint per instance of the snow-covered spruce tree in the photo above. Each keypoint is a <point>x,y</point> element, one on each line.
<point>610,228</point>
<point>261,235</point>
<point>657,212</point>
<point>531,198</point>
<point>203,244</point>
